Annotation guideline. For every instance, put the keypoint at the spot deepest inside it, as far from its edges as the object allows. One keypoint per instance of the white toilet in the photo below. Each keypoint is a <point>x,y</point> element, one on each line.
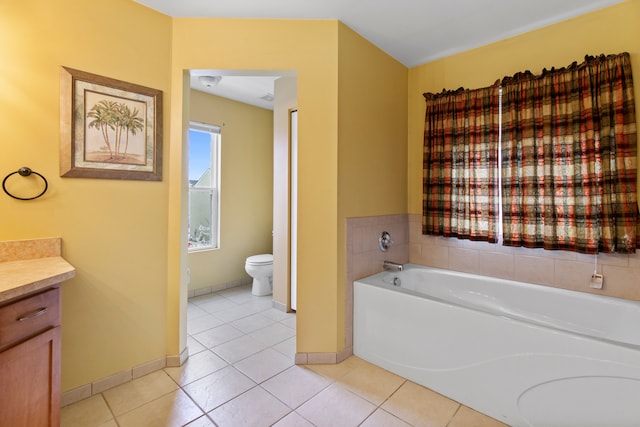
<point>260,267</point>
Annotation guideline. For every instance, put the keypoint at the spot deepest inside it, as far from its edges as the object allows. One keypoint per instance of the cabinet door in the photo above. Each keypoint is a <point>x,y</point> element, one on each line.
<point>30,382</point>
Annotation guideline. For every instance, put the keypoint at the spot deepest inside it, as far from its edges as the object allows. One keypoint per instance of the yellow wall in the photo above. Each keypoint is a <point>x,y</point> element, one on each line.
<point>612,30</point>
<point>326,56</point>
<point>310,48</point>
<point>372,132</point>
<point>246,188</point>
<point>126,238</point>
<point>372,129</point>
<point>113,232</point>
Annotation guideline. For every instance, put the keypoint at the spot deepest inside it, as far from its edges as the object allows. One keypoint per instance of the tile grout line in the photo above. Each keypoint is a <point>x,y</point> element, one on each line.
<point>454,414</point>
<point>232,364</point>
<point>388,398</point>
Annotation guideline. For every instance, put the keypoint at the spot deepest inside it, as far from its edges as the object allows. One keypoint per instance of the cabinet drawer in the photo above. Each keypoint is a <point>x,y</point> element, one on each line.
<point>28,316</point>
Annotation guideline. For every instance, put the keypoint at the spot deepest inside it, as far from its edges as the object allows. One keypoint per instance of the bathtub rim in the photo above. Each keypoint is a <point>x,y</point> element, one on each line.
<point>369,281</point>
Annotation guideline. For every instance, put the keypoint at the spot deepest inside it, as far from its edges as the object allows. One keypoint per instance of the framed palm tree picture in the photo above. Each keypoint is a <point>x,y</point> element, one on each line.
<point>109,128</point>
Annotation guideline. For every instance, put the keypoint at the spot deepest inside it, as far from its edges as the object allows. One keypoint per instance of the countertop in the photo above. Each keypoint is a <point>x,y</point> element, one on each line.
<point>38,271</point>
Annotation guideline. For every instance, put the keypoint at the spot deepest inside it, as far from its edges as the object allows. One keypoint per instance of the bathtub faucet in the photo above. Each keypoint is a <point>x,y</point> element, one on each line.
<point>392,266</point>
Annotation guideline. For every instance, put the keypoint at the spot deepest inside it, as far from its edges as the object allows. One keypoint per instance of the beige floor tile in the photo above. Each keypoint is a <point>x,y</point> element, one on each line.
<point>277,315</point>
<point>336,406</point>
<point>196,367</point>
<point>203,421</point>
<point>290,321</point>
<point>255,408</point>
<point>202,323</point>
<point>420,406</point>
<point>218,335</point>
<point>293,420</point>
<point>287,347</point>
<point>251,323</point>
<point>264,365</point>
<point>371,382</point>
<point>204,299</point>
<point>296,385</point>
<point>262,304</point>
<point>173,409</point>
<point>194,346</point>
<point>338,370</point>
<point>381,418</point>
<point>194,311</point>
<point>273,334</point>
<point>239,348</point>
<point>467,417</point>
<point>110,423</point>
<point>91,412</point>
<point>136,393</point>
<point>241,295</point>
<point>219,387</point>
<point>237,312</point>
<point>216,304</point>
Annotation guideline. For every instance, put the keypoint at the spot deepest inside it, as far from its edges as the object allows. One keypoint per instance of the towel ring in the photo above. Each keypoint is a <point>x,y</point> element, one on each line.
<point>25,171</point>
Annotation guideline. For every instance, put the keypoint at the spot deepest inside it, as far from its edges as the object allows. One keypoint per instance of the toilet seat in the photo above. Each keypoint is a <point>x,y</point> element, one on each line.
<point>262,259</point>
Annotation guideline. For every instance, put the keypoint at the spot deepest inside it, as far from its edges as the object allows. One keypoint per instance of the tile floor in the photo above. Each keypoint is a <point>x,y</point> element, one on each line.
<point>241,372</point>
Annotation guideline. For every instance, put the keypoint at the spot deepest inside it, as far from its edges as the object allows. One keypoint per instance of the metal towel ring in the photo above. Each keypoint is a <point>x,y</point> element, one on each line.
<point>25,171</point>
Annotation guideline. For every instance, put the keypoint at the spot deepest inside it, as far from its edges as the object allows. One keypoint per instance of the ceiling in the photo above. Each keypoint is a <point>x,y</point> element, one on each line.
<point>413,32</point>
<point>250,87</point>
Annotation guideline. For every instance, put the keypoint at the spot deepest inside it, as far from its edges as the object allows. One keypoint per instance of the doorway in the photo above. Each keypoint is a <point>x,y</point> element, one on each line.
<point>284,101</point>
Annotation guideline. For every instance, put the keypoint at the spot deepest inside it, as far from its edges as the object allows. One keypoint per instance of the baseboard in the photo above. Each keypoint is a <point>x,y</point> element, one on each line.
<point>323,358</point>
<point>217,288</point>
<point>85,391</point>
<point>173,361</point>
<point>279,306</point>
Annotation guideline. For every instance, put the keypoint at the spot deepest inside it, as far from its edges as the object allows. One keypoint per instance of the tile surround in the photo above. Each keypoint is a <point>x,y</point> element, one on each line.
<point>364,257</point>
<point>561,269</point>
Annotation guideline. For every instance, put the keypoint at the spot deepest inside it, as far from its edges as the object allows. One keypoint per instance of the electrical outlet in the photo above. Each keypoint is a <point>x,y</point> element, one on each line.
<point>596,281</point>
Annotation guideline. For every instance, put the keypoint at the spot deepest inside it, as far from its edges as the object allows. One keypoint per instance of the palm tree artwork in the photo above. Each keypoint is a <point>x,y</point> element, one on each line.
<point>116,122</point>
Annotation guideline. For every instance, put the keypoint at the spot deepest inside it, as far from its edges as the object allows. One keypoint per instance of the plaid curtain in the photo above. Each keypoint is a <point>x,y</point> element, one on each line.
<point>569,158</point>
<point>460,182</point>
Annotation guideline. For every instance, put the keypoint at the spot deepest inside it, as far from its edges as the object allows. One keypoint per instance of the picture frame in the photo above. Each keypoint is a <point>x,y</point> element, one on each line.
<point>109,128</point>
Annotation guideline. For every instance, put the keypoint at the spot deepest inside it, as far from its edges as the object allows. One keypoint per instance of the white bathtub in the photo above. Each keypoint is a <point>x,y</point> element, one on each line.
<point>524,354</point>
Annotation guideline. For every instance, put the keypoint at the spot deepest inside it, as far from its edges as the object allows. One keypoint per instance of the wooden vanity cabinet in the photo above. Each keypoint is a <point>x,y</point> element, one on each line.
<point>30,334</point>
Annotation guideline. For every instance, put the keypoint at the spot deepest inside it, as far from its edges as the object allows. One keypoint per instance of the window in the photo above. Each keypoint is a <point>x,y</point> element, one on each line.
<point>204,193</point>
<point>566,176</point>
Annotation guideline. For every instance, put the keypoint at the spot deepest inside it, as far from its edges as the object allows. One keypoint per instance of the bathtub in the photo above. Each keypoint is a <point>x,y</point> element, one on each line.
<point>527,355</point>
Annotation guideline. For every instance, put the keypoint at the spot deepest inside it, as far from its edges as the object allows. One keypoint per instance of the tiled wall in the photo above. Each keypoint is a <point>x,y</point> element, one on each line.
<point>559,269</point>
<point>364,256</point>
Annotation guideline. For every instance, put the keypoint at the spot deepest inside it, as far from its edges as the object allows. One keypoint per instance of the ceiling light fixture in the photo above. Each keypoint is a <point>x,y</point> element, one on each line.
<point>268,97</point>
<point>210,81</point>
